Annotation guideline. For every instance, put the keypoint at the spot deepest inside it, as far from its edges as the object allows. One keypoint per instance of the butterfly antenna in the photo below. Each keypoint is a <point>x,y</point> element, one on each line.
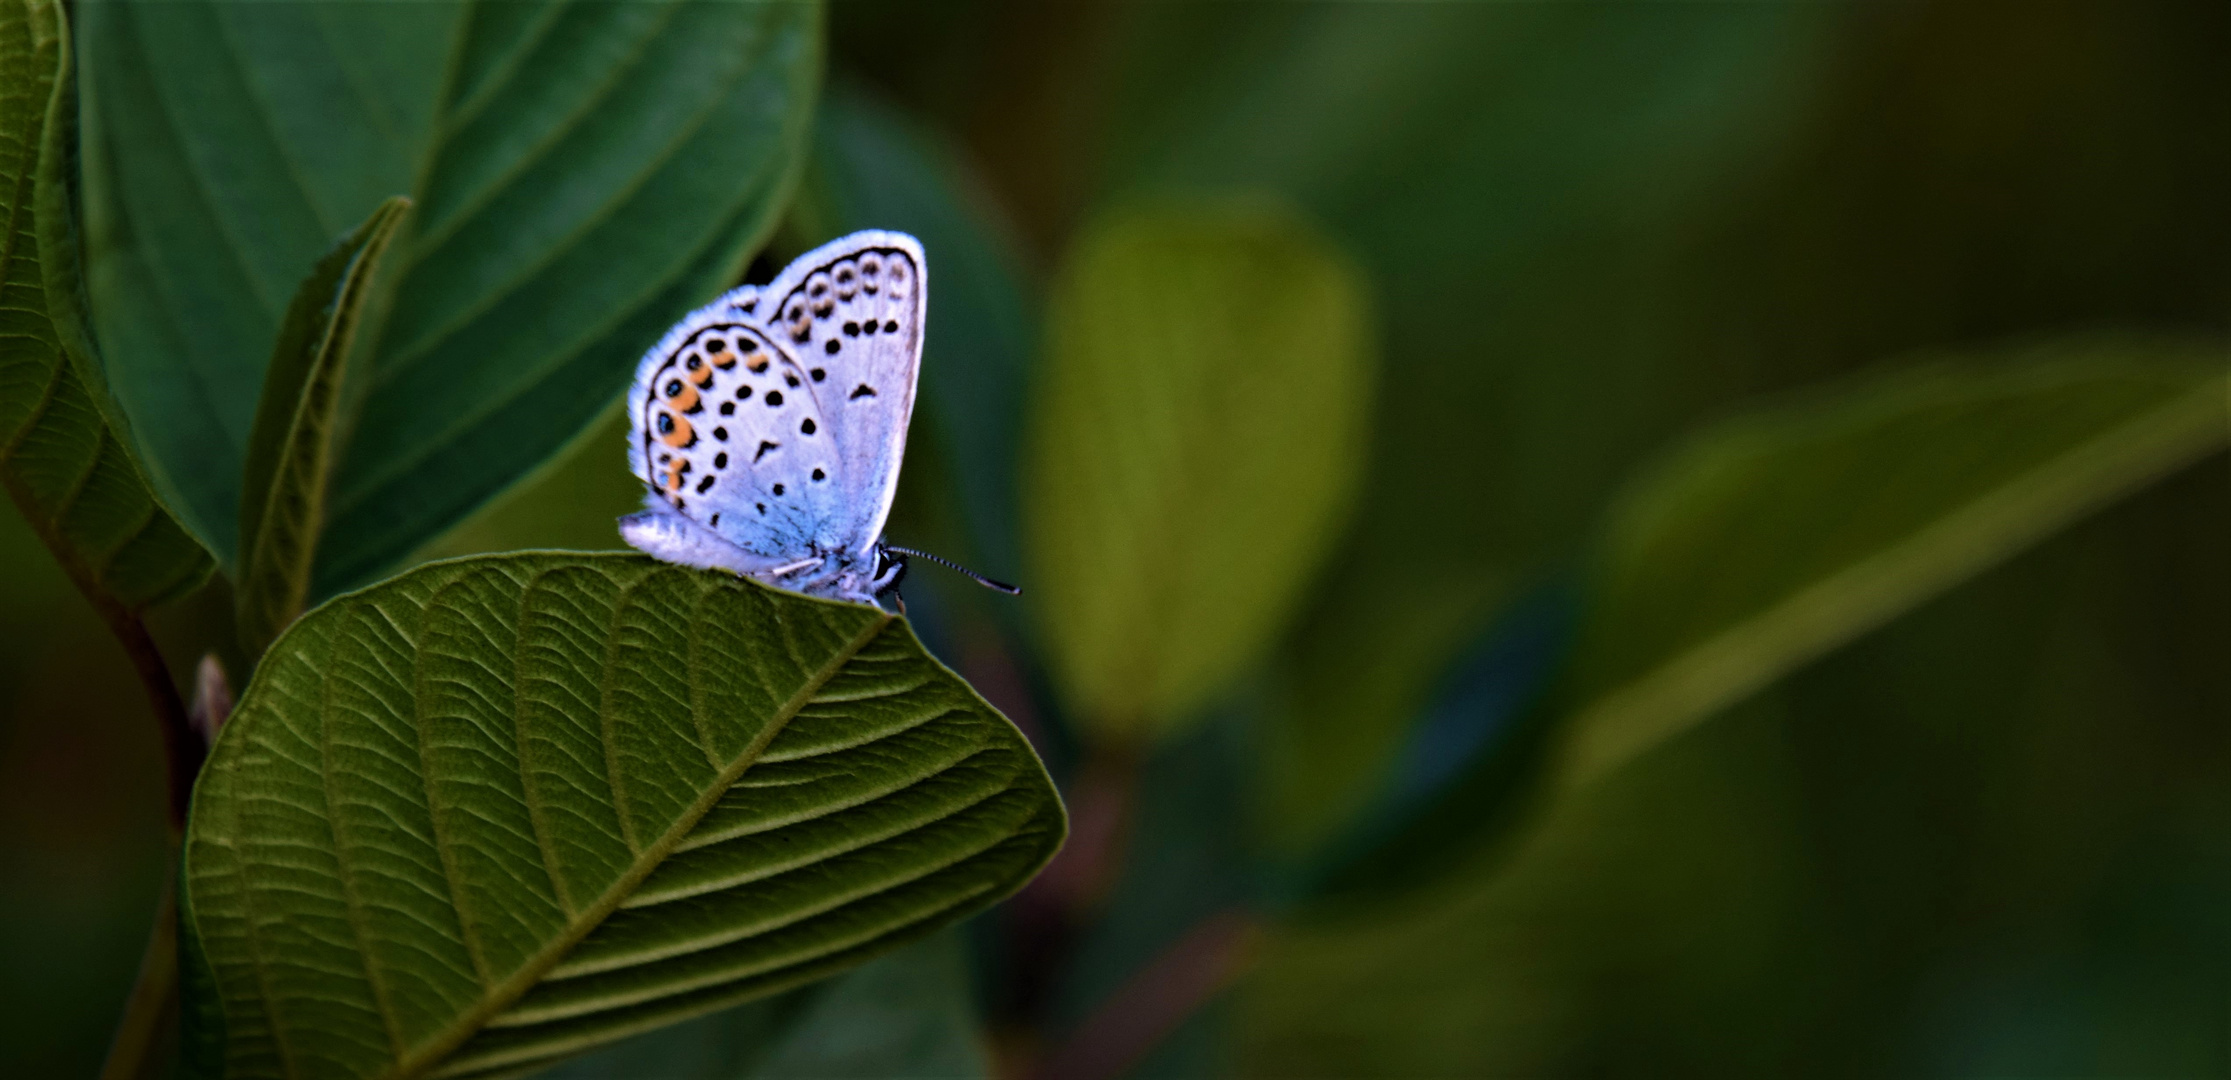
<point>997,586</point>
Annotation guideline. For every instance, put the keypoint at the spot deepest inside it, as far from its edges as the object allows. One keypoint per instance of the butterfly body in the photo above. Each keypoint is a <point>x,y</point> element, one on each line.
<point>769,425</point>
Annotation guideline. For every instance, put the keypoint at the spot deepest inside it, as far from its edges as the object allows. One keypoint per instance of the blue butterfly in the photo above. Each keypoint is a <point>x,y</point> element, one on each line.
<point>769,425</point>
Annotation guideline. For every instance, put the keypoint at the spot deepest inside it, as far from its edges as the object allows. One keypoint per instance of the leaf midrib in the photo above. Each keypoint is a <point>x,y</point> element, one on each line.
<point>408,356</point>
<point>1684,688</point>
<point>429,243</point>
<point>353,495</point>
<point>511,989</point>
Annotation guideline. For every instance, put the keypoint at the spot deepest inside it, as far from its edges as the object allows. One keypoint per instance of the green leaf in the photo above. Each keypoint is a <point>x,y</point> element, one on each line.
<point>502,809</point>
<point>2006,804</point>
<point>906,1014</point>
<point>290,452</point>
<point>1199,430</point>
<point>1524,184</point>
<point>1779,537</point>
<point>581,174</point>
<point>1770,540</point>
<point>66,465</point>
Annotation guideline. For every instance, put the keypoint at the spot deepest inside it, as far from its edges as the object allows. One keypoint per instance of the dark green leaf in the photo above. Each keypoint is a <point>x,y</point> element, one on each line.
<point>499,810</point>
<point>1199,430</point>
<point>1852,510</point>
<point>1516,179</point>
<point>906,1014</point>
<point>1773,539</point>
<point>582,174</point>
<point>67,466</point>
<point>1987,840</point>
<point>290,451</point>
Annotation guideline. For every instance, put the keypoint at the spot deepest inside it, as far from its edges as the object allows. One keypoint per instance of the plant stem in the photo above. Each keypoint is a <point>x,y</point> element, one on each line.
<point>183,749</point>
<point>1157,999</point>
<point>153,1005</point>
<point>1051,912</point>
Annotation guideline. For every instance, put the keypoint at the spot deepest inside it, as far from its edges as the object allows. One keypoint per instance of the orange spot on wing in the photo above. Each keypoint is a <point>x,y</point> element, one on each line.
<point>680,436</point>
<point>702,377</point>
<point>685,401</point>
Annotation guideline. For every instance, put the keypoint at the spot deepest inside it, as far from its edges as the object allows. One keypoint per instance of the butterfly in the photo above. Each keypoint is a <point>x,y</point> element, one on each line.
<point>769,425</point>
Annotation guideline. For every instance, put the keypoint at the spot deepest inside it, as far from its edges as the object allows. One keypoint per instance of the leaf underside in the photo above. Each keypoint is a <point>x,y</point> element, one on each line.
<point>69,471</point>
<point>502,809</point>
<point>290,453</point>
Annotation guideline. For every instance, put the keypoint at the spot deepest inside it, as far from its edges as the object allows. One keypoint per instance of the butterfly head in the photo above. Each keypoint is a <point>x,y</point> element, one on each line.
<point>890,570</point>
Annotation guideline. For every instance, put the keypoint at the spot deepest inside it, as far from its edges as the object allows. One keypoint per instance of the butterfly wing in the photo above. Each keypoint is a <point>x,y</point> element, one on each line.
<point>851,312</point>
<point>726,433</point>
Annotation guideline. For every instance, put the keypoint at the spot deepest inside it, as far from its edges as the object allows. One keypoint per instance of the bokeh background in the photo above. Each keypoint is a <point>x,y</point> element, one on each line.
<point>1990,838</point>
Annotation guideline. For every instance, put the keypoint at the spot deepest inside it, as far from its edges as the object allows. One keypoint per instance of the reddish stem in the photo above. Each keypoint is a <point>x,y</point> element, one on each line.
<point>183,748</point>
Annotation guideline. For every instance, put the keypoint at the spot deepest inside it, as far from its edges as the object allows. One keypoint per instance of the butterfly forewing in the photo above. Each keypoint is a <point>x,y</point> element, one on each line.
<point>852,314</point>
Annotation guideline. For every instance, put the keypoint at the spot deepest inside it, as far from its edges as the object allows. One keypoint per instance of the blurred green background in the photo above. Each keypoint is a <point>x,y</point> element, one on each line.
<point>1990,838</point>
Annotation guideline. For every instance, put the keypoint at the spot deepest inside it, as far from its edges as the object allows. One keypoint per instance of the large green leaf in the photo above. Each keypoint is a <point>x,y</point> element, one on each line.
<point>63,460</point>
<point>1198,432</point>
<point>290,452</point>
<point>1779,537</point>
<point>904,1015</point>
<point>583,173</point>
<point>501,809</point>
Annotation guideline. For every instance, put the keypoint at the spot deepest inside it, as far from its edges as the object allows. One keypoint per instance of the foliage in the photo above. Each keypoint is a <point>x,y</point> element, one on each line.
<point>63,453</point>
<point>477,787</point>
<point>290,451</point>
<point>1199,431</point>
<point>1558,540</point>
<point>581,174</point>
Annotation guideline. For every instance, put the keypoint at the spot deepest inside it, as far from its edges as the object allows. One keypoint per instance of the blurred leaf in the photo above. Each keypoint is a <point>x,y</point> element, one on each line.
<point>1514,178</point>
<point>1775,538</point>
<point>68,469</point>
<point>1467,764</point>
<point>282,503</point>
<point>583,173</point>
<point>873,168</point>
<point>499,810</point>
<point>905,1014</point>
<point>1199,431</point>
<point>1779,537</point>
<point>1987,840</point>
